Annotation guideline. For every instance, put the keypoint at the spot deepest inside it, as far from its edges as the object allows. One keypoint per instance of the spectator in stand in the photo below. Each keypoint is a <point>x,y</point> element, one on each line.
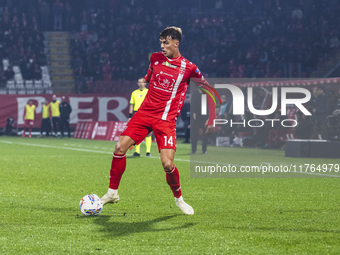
<point>58,10</point>
<point>224,107</point>
<point>334,42</point>
<point>2,76</point>
<point>264,58</point>
<point>247,39</point>
<point>65,111</point>
<point>9,73</point>
<point>67,15</point>
<point>44,10</point>
<point>29,116</point>
<point>92,37</point>
<point>36,75</point>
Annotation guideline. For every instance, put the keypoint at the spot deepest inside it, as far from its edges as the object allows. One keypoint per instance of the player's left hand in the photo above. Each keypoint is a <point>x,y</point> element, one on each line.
<point>209,128</point>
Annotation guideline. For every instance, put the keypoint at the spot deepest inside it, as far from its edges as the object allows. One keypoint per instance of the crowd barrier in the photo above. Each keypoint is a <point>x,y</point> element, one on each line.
<point>99,130</point>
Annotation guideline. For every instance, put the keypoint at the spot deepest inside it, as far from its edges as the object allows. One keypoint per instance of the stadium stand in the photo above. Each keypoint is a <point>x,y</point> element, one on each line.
<point>110,41</point>
<point>230,38</point>
<point>22,50</point>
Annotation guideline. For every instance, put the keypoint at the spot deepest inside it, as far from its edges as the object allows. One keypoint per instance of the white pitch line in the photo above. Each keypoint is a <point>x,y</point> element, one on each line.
<point>88,150</point>
<point>57,147</point>
<point>6,142</point>
<point>77,149</point>
<point>153,157</point>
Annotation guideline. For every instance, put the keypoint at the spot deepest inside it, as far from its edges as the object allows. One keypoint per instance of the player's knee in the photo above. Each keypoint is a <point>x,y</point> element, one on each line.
<point>168,166</point>
<point>120,149</point>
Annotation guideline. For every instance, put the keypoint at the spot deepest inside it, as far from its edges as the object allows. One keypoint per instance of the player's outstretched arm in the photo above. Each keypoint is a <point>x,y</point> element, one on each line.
<point>206,88</point>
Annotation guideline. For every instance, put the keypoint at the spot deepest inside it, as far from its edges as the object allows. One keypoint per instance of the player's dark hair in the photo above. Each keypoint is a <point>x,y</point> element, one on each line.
<point>174,32</point>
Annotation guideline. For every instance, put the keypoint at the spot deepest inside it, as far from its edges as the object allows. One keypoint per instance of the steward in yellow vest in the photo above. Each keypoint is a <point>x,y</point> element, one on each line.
<point>55,114</point>
<point>29,116</point>
<point>137,98</point>
<point>45,119</point>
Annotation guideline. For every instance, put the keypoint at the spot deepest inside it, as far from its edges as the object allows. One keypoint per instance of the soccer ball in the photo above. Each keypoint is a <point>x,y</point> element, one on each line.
<point>90,205</point>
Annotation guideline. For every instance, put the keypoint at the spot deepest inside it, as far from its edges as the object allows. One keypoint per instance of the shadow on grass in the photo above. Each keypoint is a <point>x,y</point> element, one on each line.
<point>116,229</point>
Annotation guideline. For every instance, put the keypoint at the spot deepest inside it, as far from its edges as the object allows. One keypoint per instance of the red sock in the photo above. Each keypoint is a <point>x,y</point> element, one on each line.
<point>30,130</point>
<point>117,169</point>
<point>173,180</point>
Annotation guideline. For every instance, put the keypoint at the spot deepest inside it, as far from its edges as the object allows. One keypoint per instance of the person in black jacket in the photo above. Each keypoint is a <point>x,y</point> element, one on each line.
<point>197,123</point>
<point>320,113</point>
<point>65,110</point>
<point>185,115</point>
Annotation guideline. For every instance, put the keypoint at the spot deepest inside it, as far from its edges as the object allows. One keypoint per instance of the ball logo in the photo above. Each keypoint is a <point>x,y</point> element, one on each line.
<point>92,199</point>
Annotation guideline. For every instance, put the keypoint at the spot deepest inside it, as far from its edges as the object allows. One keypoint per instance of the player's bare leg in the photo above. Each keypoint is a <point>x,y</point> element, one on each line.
<point>172,178</point>
<point>117,169</point>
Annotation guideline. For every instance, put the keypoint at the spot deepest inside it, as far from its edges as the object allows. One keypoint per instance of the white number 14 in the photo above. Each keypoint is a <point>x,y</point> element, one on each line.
<point>168,141</point>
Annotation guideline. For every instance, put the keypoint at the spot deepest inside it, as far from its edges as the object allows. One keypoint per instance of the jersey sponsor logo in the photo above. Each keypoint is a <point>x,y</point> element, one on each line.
<point>166,63</point>
<point>161,72</point>
<point>166,83</point>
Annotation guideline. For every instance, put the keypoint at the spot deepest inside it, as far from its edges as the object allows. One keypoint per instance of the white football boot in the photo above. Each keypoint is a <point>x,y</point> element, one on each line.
<point>186,209</point>
<point>110,197</point>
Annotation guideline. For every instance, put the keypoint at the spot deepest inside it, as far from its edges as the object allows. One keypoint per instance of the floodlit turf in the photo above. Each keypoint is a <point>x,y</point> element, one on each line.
<point>42,181</point>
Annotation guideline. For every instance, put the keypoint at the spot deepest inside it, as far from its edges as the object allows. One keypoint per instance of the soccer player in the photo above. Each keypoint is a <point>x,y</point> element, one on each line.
<point>137,98</point>
<point>29,116</point>
<point>55,114</point>
<point>168,76</point>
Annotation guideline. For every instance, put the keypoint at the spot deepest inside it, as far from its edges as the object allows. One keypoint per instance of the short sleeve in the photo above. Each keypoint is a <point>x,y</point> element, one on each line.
<point>147,77</point>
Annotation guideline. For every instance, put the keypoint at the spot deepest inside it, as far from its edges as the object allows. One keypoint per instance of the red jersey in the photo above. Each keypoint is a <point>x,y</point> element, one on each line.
<point>168,83</point>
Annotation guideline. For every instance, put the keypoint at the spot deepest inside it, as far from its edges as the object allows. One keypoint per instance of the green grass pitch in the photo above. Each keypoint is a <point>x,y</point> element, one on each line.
<point>43,180</point>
